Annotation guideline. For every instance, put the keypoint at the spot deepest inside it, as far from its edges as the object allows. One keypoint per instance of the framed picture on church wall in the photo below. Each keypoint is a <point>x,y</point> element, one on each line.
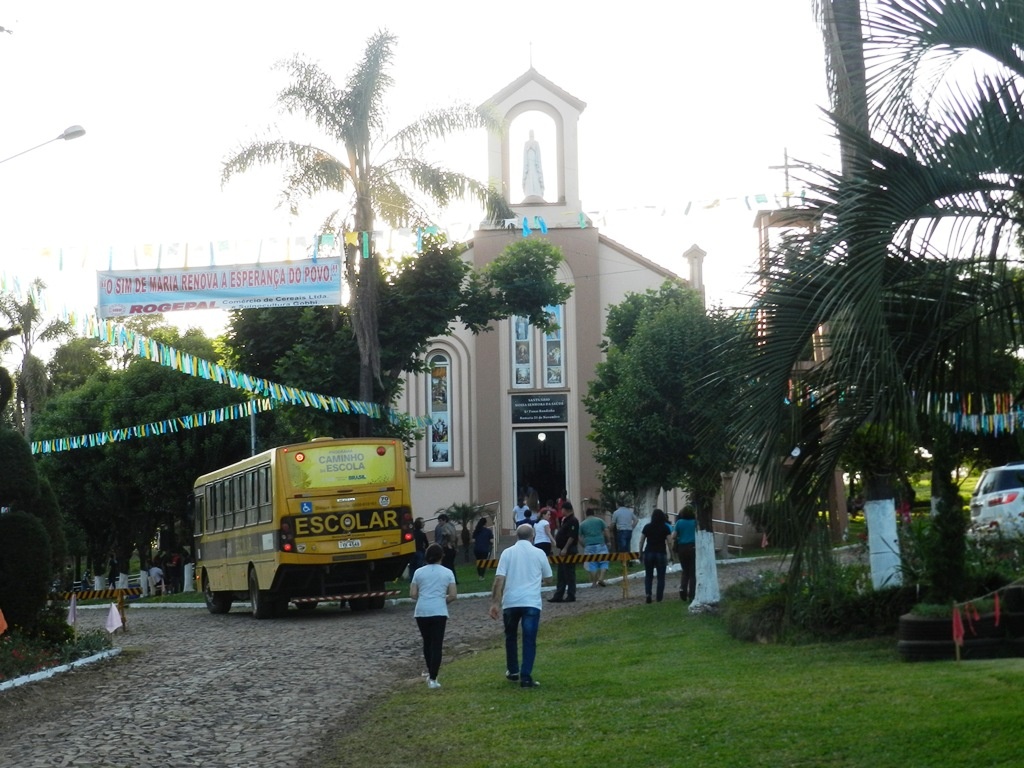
<point>554,364</point>
<point>522,353</point>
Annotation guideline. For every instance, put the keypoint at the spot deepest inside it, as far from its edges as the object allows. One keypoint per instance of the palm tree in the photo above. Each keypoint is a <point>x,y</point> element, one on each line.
<point>907,269</point>
<point>385,176</point>
<point>27,330</point>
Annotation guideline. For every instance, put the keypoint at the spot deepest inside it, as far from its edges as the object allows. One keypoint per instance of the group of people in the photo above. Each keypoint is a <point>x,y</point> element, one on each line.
<point>166,572</point>
<point>524,568</point>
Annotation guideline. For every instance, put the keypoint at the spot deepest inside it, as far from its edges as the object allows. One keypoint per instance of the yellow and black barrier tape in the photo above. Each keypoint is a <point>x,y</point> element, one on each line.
<point>101,594</point>
<point>611,557</point>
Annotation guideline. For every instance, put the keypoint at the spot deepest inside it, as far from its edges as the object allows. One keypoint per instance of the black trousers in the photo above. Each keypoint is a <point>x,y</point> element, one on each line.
<point>432,630</point>
<point>566,585</point>
<point>448,560</point>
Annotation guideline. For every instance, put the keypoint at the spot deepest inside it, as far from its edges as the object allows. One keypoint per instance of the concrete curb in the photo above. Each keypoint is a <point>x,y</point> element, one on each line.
<point>47,673</point>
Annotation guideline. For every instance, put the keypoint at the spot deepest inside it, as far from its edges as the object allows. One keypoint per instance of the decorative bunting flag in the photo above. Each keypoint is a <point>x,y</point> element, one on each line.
<point>958,628</point>
<point>270,394</point>
<point>114,622</point>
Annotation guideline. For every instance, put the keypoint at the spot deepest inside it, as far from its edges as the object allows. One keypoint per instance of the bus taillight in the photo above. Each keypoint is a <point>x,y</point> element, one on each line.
<point>286,537</point>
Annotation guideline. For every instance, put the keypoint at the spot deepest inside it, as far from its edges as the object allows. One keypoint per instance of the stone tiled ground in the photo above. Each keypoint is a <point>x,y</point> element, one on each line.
<point>192,689</point>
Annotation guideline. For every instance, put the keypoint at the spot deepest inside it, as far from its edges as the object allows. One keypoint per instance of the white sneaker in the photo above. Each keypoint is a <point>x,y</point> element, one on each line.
<point>433,684</point>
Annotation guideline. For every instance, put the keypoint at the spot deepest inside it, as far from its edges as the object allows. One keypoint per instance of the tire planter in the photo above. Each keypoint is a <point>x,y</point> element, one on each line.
<point>930,638</point>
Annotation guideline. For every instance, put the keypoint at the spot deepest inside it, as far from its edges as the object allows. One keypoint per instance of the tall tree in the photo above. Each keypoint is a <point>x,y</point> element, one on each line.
<point>904,272</point>
<point>655,422</point>
<point>30,379</point>
<point>385,176</point>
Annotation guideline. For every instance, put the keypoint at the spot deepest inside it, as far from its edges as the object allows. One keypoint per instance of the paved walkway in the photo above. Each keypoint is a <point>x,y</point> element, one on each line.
<point>193,689</point>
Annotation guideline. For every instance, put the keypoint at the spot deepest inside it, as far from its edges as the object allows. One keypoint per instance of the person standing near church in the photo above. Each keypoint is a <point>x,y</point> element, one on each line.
<point>522,571</point>
<point>448,537</point>
<point>520,512</point>
<point>483,542</point>
<point>566,540</point>
<point>594,535</point>
<point>623,522</point>
<point>542,531</point>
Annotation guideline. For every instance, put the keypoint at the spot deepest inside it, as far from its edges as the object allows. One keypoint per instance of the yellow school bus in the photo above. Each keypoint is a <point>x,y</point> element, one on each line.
<point>325,520</point>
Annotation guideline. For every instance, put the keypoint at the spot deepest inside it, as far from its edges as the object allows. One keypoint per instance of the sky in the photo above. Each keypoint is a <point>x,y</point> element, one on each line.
<point>687,103</point>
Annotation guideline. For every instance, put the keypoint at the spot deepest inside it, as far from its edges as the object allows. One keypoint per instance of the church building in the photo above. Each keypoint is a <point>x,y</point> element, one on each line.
<point>506,406</point>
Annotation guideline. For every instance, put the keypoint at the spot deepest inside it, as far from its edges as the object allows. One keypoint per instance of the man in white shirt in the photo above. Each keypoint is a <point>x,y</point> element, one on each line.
<point>521,511</point>
<point>624,521</point>
<point>522,570</point>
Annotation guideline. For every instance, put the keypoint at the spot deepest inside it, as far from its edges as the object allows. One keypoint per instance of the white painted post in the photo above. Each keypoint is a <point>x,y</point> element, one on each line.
<point>883,543</point>
<point>189,578</point>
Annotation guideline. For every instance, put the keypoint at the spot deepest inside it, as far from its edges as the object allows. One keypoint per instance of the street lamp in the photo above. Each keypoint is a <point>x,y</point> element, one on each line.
<point>71,132</point>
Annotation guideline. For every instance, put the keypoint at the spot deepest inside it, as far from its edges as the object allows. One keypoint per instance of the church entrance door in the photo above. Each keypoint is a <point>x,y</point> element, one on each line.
<point>540,463</point>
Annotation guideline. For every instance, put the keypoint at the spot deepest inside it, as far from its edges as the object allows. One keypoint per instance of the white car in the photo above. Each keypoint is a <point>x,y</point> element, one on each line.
<point>998,500</point>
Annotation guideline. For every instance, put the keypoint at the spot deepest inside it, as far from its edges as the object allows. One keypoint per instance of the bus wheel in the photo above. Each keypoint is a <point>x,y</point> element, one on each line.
<point>262,605</point>
<point>216,602</point>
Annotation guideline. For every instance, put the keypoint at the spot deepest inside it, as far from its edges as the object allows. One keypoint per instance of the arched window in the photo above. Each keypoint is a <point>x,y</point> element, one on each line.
<point>439,405</point>
<point>538,359</point>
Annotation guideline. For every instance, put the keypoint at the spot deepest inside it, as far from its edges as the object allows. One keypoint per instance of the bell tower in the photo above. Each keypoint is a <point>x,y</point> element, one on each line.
<point>559,203</point>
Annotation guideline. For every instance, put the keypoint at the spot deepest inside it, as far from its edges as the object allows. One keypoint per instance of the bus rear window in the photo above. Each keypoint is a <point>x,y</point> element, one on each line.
<point>341,466</point>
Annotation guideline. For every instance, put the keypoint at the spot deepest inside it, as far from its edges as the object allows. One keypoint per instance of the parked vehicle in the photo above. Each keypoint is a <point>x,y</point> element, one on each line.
<point>997,504</point>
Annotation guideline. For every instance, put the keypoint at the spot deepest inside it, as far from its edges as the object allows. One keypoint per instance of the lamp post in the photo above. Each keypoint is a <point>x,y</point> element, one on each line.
<point>71,132</point>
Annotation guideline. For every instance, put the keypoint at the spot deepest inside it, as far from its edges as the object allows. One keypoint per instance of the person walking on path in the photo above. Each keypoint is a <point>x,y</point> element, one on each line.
<point>623,521</point>
<point>594,535</point>
<point>522,570</point>
<point>653,540</point>
<point>432,588</point>
<point>483,538</point>
<point>684,537</point>
<point>566,540</point>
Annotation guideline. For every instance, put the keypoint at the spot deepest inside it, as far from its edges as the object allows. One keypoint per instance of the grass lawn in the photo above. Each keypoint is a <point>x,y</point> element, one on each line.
<point>652,686</point>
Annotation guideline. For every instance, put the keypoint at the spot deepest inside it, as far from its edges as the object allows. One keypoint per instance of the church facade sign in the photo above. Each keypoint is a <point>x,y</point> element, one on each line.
<point>540,409</point>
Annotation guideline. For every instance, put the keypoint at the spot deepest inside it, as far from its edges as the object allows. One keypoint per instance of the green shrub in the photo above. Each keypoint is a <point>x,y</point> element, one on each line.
<point>754,610</point>
<point>841,605</point>
<point>25,568</point>
<point>51,625</point>
<point>85,644</point>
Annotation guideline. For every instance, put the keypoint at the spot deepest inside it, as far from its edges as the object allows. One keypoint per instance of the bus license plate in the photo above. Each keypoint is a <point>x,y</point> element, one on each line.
<point>350,544</point>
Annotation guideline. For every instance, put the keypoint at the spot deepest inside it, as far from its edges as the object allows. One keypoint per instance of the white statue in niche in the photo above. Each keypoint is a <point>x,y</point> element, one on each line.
<point>533,175</point>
